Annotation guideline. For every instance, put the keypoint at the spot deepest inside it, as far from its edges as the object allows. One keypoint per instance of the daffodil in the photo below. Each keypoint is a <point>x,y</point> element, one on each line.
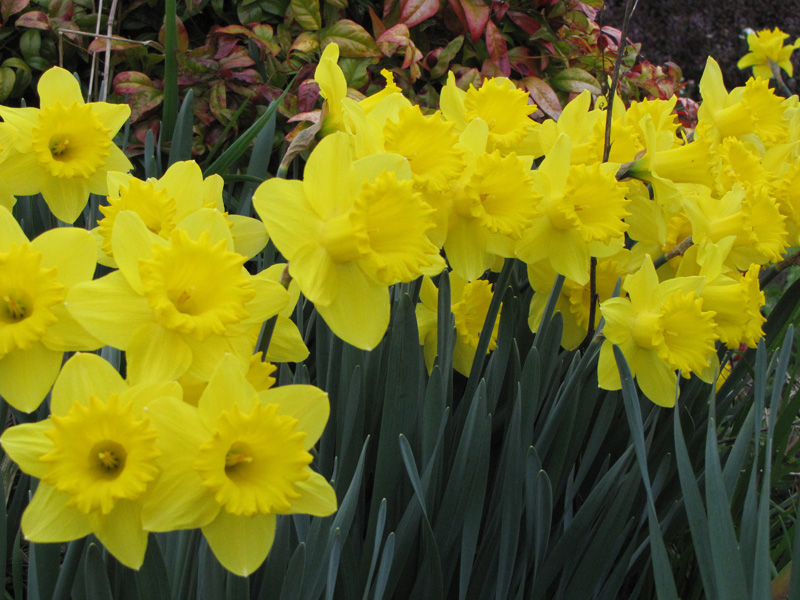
<point>176,306</point>
<point>574,300</point>
<point>349,230</point>
<point>753,108</point>
<point>95,457</point>
<point>165,202</point>
<point>470,304</point>
<point>766,48</point>
<point>581,214</point>
<point>35,327</point>
<point>237,460</point>
<point>64,149</point>
<point>661,327</point>
<point>499,103</point>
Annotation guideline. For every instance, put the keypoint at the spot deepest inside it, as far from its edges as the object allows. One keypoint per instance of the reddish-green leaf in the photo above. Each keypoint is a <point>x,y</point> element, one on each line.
<point>377,25</point>
<point>12,7</point>
<point>131,82</point>
<point>473,14</point>
<point>444,56</point>
<point>575,80</point>
<point>183,36</point>
<point>353,40</point>
<point>100,45</point>
<point>544,96</point>
<point>498,50</point>
<point>414,12</point>
<point>305,42</point>
<point>306,12</point>
<point>524,21</point>
<point>35,19</point>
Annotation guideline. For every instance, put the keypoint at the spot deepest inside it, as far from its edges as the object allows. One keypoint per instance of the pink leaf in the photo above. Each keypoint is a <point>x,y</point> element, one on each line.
<point>525,22</point>
<point>416,11</point>
<point>474,13</point>
<point>544,96</point>
<point>12,7</point>
<point>35,19</point>
<point>498,50</point>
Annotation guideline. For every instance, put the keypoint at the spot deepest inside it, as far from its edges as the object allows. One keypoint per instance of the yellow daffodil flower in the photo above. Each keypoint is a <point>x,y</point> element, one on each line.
<point>176,306</point>
<point>581,214</point>
<point>767,47</point>
<point>95,457</point>
<point>574,300</point>
<point>64,149</point>
<point>235,461</point>
<point>163,203</point>
<point>35,327</point>
<point>661,327</point>
<point>469,302</point>
<point>349,230</point>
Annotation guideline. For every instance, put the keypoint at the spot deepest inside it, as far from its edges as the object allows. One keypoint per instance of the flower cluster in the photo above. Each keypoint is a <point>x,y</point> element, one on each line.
<point>390,186</point>
<point>195,436</point>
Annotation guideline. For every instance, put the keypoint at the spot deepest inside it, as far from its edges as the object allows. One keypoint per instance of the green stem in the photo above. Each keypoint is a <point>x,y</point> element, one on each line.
<point>170,107</point>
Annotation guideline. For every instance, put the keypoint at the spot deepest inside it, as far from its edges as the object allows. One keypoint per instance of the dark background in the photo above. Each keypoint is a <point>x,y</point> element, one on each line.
<point>686,32</point>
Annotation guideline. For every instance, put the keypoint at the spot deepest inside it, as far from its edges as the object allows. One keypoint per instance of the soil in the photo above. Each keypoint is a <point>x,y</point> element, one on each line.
<point>686,32</point>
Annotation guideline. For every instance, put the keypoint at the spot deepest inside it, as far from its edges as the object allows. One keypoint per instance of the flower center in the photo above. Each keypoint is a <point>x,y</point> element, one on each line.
<point>194,287</point>
<point>155,206</point>
<point>253,460</point>
<point>108,458</point>
<point>103,452</point>
<point>70,141</point>
<point>27,294</point>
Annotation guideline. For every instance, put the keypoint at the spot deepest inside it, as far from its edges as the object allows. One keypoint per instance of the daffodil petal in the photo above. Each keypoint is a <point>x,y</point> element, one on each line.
<point>49,519</point>
<point>657,380</point>
<point>157,354</point>
<point>10,232</point>
<point>85,375</point>
<point>286,343</point>
<point>69,249</point>
<point>360,317</point>
<point>287,215</point>
<point>241,544</point>
<point>25,444</point>
<point>249,235</point>
<point>132,242</point>
<point>270,299</point>
<point>185,180</point>
<point>227,382</point>
<point>58,85</point>
<point>210,221</point>
<point>178,499</point>
<point>120,531</point>
<point>109,309</point>
<point>67,335</point>
<point>306,403</point>
<point>328,178</point>
<point>317,497</point>
<point>317,274</point>
<point>112,116</point>
<point>66,197</point>
<point>26,376</point>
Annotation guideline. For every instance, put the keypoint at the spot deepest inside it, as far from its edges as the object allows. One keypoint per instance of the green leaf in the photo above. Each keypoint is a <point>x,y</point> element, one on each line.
<point>69,571</point>
<point>385,568</point>
<point>152,581</point>
<point>293,582</point>
<point>97,584</point>
<point>353,40</point>
<point>181,148</point>
<point>695,511</point>
<point>43,570</point>
<point>170,109</point>
<point>574,79</point>
<point>241,144</point>
<point>665,582</point>
<point>306,13</point>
